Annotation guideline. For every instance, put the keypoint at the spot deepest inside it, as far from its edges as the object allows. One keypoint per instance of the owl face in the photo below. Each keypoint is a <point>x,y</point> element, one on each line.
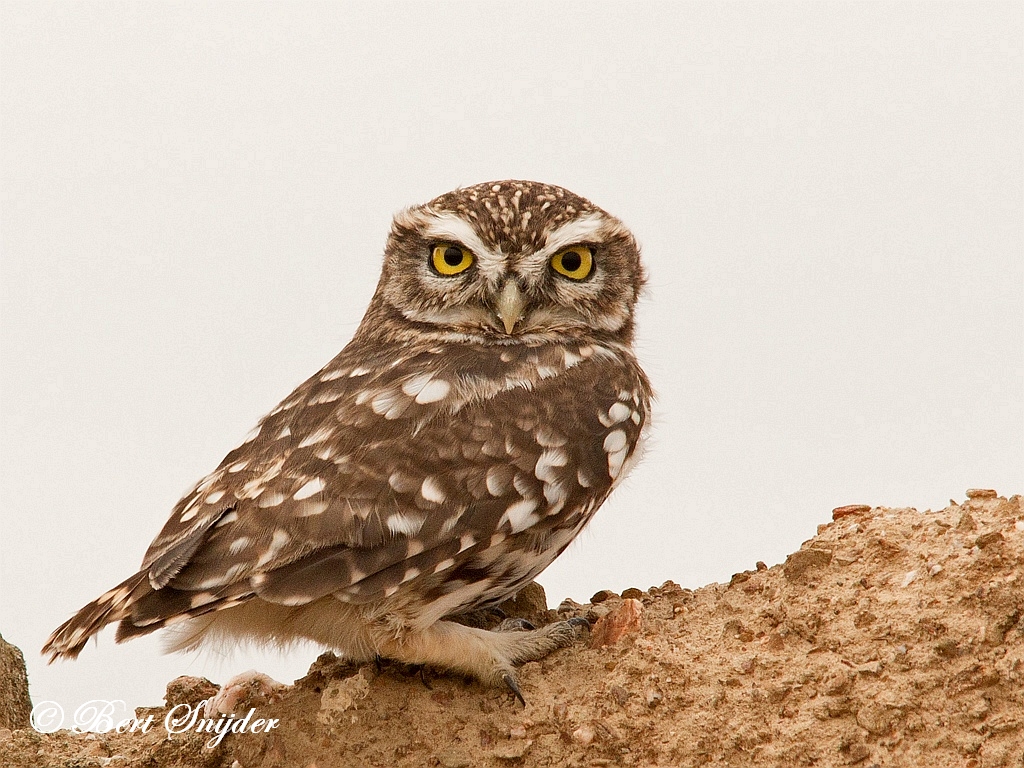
<point>509,262</point>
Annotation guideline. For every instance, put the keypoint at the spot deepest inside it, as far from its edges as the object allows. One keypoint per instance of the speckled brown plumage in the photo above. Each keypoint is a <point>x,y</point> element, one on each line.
<point>443,459</point>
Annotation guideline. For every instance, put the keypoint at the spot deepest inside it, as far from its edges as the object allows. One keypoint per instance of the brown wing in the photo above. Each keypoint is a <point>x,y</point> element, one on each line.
<point>374,472</point>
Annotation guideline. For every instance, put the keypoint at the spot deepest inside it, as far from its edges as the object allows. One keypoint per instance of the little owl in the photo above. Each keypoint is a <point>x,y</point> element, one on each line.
<point>486,407</point>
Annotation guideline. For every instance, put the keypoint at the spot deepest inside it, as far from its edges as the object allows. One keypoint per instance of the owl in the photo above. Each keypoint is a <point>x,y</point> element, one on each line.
<point>487,405</point>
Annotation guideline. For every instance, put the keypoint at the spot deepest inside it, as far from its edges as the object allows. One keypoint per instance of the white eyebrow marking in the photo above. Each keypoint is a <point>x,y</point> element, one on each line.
<point>451,227</point>
<point>584,229</point>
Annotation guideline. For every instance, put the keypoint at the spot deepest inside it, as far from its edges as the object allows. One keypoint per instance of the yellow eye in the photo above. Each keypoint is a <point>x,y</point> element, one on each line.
<point>450,259</point>
<point>575,263</point>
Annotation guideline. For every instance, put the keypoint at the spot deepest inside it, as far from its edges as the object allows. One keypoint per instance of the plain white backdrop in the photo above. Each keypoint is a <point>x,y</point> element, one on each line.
<point>195,198</point>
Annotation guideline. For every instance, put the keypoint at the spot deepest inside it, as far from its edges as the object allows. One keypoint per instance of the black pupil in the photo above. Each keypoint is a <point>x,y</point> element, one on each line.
<point>571,261</point>
<point>452,256</point>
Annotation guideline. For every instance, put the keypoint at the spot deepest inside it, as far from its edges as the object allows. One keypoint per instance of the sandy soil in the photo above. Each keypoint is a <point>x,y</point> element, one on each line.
<point>891,638</point>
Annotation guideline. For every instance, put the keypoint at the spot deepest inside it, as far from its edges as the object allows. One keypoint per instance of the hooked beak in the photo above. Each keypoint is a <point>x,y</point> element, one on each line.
<point>509,305</point>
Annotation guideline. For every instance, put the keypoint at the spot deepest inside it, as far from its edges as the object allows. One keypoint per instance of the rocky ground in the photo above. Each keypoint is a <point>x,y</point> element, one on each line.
<point>891,638</point>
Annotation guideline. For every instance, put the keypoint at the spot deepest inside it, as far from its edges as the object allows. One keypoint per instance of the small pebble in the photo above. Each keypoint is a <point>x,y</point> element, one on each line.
<point>625,619</point>
<point>620,694</point>
<point>583,735</point>
<point>981,493</point>
<point>1019,525</point>
<point>987,539</point>
<point>850,509</point>
<point>908,579</point>
<point>934,569</point>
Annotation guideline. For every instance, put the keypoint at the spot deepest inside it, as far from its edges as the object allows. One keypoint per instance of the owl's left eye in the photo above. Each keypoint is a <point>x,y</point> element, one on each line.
<point>450,259</point>
<point>575,263</point>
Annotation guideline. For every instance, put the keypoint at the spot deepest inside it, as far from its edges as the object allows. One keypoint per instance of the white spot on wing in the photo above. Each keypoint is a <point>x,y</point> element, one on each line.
<point>434,391</point>
<point>520,515</point>
<point>549,439</point>
<point>407,525</point>
<point>619,412</point>
<point>555,495</point>
<point>615,441</point>
<point>277,543</point>
<point>431,490</point>
<point>331,375</point>
<point>252,489</point>
<point>325,452</point>
<point>426,389</point>
<point>311,508</point>
<point>548,462</point>
<point>239,544</point>
<point>312,488</point>
<point>327,396</point>
<point>214,497</point>
<point>449,525</point>
<point>324,433</point>
<point>497,481</point>
<point>389,404</point>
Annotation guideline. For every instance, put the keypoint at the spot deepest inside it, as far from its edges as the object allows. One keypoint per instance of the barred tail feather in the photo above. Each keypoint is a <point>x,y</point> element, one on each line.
<point>68,640</point>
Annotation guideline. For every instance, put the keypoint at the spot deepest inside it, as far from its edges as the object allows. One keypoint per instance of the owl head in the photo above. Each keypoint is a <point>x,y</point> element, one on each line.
<point>508,262</point>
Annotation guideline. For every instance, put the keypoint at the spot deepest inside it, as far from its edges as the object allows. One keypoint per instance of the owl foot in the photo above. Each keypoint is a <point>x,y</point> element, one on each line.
<point>538,644</point>
<point>489,656</point>
<point>249,688</point>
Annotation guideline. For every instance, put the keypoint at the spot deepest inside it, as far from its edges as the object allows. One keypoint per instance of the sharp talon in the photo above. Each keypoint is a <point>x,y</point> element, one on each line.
<point>423,679</point>
<point>579,621</point>
<point>513,686</point>
<point>378,661</point>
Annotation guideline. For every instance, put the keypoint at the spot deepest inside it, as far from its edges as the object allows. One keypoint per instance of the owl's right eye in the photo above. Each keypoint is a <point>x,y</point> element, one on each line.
<point>450,260</point>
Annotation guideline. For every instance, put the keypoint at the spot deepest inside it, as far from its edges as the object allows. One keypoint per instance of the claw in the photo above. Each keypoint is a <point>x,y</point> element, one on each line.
<point>579,621</point>
<point>423,679</point>
<point>513,686</point>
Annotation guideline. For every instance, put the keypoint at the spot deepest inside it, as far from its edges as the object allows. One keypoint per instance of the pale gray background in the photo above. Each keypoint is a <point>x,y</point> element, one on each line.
<point>196,196</point>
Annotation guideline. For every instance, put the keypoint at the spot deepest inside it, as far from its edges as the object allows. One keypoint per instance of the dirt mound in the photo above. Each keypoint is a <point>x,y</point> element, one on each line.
<point>891,638</point>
